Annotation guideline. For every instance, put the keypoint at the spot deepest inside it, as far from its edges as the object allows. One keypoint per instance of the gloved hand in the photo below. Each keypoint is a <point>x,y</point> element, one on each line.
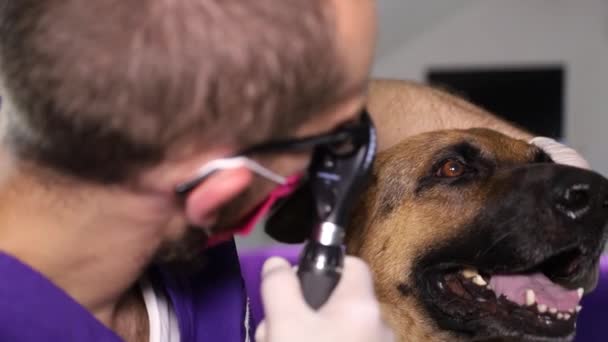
<point>352,313</point>
<point>560,153</point>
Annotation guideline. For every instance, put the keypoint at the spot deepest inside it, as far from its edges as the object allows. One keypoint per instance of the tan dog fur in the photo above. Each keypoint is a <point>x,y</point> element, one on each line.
<point>401,109</point>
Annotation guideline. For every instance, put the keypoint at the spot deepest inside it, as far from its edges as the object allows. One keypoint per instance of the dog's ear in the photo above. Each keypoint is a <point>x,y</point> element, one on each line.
<point>294,220</point>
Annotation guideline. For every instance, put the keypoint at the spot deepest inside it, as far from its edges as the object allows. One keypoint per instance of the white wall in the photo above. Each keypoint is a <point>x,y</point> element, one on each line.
<point>500,32</point>
<point>400,21</point>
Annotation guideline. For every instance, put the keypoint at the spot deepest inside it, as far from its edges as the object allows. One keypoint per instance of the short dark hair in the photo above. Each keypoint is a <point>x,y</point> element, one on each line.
<point>99,89</point>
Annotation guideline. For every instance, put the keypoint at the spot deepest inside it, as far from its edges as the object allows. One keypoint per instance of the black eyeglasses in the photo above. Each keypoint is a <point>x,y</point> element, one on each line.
<point>342,141</point>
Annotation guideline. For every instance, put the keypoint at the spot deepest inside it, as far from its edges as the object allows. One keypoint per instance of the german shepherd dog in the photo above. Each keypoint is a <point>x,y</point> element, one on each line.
<point>473,235</point>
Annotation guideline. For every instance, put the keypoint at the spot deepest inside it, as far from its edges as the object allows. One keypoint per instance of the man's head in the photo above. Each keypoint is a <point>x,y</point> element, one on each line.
<point>143,93</point>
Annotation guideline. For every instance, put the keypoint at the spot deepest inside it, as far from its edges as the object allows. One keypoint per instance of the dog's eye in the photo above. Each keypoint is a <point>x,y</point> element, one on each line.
<point>451,168</point>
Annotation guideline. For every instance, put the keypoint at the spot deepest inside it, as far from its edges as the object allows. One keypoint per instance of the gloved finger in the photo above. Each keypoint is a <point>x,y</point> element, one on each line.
<point>561,153</point>
<point>356,283</point>
<point>281,293</point>
<point>260,332</point>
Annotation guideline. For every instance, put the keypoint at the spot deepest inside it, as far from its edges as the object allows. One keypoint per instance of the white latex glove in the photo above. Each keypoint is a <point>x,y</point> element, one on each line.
<point>560,153</point>
<point>351,314</point>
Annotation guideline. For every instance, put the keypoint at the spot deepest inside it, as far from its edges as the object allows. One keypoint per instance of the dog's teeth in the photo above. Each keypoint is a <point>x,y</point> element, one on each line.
<point>542,308</point>
<point>553,310</point>
<point>579,308</point>
<point>478,280</point>
<point>530,297</point>
<point>560,316</point>
<point>469,273</point>
<point>580,292</point>
<point>567,316</point>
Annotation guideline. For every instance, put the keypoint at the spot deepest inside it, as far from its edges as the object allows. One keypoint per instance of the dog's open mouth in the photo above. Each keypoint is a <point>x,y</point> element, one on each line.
<point>537,303</point>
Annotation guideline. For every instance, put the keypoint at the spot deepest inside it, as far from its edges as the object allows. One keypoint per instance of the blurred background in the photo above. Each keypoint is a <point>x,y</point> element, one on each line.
<point>540,63</point>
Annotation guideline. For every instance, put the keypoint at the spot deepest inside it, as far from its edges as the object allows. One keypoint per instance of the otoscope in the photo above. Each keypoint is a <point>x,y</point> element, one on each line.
<point>338,175</point>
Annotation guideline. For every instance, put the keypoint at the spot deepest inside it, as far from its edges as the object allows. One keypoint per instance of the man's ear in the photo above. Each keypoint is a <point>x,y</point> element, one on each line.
<point>294,220</point>
<point>204,202</point>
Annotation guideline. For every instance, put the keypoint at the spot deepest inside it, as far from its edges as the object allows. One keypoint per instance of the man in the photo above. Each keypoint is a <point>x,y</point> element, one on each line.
<point>108,106</point>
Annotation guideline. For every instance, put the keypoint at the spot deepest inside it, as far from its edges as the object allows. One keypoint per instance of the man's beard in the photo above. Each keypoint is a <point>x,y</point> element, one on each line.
<point>184,254</point>
<point>187,252</point>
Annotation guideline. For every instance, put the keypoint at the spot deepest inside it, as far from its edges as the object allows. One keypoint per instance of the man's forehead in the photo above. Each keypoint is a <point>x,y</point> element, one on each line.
<point>344,110</point>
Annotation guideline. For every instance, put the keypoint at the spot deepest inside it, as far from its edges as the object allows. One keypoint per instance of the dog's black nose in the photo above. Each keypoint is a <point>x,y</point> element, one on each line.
<point>579,194</point>
<point>574,200</point>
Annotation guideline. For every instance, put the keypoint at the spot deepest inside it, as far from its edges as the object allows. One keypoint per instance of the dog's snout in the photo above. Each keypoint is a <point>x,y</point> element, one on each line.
<point>574,200</point>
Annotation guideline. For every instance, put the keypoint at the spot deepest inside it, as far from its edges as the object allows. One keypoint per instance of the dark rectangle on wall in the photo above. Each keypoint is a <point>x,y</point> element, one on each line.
<point>531,97</point>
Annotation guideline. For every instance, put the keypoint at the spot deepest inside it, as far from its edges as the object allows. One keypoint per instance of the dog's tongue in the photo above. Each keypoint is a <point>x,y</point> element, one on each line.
<point>514,287</point>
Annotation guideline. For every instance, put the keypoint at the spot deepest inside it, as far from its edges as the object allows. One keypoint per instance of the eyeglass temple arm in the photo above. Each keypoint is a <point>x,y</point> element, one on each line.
<point>225,164</point>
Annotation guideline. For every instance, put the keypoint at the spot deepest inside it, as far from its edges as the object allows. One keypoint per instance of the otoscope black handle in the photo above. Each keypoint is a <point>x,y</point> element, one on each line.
<point>319,271</point>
